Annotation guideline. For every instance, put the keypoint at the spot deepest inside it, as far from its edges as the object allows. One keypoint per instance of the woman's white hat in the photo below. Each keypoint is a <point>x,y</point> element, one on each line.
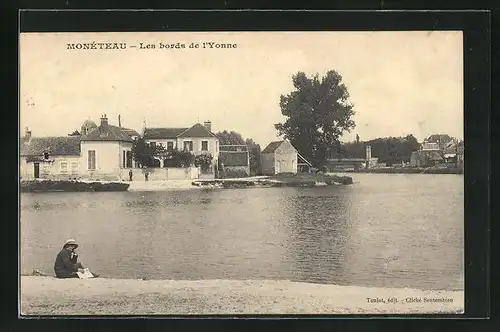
<point>70,242</point>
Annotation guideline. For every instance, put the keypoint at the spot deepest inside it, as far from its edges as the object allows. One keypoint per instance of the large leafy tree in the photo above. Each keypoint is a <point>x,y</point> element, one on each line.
<point>317,114</point>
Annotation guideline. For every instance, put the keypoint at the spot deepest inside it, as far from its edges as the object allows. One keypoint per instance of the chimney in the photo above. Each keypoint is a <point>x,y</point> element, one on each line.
<point>27,134</point>
<point>208,125</point>
<point>119,121</point>
<point>104,124</point>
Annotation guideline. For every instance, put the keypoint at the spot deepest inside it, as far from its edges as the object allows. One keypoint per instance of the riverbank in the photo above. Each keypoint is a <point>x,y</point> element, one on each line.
<point>279,180</point>
<point>35,186</point>
<point>406,170</point>
<point>51,296</point>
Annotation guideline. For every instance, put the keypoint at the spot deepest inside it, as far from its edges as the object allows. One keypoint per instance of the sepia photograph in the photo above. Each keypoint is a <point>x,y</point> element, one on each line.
<point>241,173</point>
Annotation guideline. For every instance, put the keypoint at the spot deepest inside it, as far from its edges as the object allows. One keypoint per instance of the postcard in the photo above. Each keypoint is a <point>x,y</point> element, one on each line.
<point>241,173</point>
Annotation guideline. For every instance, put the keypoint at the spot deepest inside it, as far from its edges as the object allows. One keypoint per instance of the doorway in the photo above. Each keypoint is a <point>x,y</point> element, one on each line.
<point>36,170</point>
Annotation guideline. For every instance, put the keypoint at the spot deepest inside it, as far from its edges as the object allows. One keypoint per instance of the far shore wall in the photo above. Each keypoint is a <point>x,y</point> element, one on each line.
<point>236,171</point>
<point>162,174</point>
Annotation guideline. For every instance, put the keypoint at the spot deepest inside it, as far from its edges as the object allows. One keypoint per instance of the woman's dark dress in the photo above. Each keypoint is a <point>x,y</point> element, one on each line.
<point>66,264</point>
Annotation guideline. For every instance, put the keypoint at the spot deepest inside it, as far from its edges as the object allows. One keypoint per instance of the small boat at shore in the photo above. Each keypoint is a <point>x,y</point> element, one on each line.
<point>37,186</point>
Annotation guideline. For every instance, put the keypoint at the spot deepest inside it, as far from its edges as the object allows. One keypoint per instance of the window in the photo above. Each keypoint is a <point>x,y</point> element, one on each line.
<point>124,160</point>
<point>152,144</point>
<point>188,145</point>
<point>64,167</point>
<point>74,167</point>
<point>170,146</point>
<point>204,145</point>
<point>91,159</point>
<point>45,155</point>
<point>129,159</point>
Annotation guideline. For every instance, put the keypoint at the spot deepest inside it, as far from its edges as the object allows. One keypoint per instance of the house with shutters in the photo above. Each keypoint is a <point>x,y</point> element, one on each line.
<point>106,151</point>
<point>197,139</point>
<point>101,152</point>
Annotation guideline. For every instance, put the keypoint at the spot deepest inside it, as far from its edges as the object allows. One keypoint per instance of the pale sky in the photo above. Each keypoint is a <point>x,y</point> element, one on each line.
<point>399,82</point>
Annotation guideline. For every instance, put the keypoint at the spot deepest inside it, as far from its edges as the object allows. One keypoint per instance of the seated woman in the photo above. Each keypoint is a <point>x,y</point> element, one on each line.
<point>66,264</point>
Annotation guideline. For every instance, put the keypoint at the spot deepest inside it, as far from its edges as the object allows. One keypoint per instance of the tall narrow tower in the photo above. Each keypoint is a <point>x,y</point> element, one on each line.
<point>368,156</point>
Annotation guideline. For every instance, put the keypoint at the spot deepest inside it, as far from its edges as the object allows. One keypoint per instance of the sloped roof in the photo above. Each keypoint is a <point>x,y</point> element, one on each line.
<point>198,130</point>
<point>435,156</point>
<point>57,146</point>
<point>230,158</point>
<point>442,138</point>
<point>114,133</point>
<point>233,148</point>
<point>130,132</point>
<point>271,147</point>
<point>163,133</point>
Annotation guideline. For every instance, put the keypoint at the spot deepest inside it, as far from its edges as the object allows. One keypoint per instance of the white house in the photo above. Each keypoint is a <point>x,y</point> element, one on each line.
<point>49,157</point>
<point>197,139</point>
<point>106,151</point>
<point>280,157</point>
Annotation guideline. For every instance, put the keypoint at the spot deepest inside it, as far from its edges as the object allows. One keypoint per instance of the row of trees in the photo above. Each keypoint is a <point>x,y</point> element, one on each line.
<point>389,150</point>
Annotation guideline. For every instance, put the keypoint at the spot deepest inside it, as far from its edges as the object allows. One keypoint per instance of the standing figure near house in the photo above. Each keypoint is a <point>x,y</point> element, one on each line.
<point>146,173</point>
<point>130,174</point>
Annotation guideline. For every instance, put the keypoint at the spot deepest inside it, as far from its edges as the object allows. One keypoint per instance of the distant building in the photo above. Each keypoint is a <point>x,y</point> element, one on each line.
<point>354,163</point>
<point>433,151</point>
<point>235,160</point>
<point>282,157</point>
<point>49,157</point>
<point>197,139</point>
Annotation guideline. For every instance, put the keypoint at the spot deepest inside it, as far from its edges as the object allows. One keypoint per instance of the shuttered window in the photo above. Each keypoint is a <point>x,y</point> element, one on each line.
<point>74,167</point>
<point>91,159</point>
<point>64,167</point>
<point>129,159</point>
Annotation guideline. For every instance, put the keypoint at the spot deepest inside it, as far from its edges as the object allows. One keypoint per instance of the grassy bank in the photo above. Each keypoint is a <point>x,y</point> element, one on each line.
<point>279,180</point>
<point>51,296</point>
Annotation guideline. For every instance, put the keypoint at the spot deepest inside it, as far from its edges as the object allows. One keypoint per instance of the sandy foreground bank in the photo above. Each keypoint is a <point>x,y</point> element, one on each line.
<point>50,296</point>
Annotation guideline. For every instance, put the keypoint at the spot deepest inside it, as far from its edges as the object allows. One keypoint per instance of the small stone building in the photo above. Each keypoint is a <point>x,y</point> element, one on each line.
<point>279,157</point>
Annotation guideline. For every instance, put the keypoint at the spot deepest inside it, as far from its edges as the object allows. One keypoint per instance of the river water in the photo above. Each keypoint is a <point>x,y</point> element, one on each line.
<point>385,230</point>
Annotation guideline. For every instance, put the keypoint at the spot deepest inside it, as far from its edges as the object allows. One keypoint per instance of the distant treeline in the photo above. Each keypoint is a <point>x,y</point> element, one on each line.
<point>389,150</point>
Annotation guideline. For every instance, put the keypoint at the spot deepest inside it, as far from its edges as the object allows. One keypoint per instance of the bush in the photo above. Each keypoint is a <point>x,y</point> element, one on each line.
<point>177,158</point>
<point>204,161</point>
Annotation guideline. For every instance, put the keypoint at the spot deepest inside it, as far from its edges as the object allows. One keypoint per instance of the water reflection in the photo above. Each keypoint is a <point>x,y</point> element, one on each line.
<point>317,240</point>
<point>406,232</point>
